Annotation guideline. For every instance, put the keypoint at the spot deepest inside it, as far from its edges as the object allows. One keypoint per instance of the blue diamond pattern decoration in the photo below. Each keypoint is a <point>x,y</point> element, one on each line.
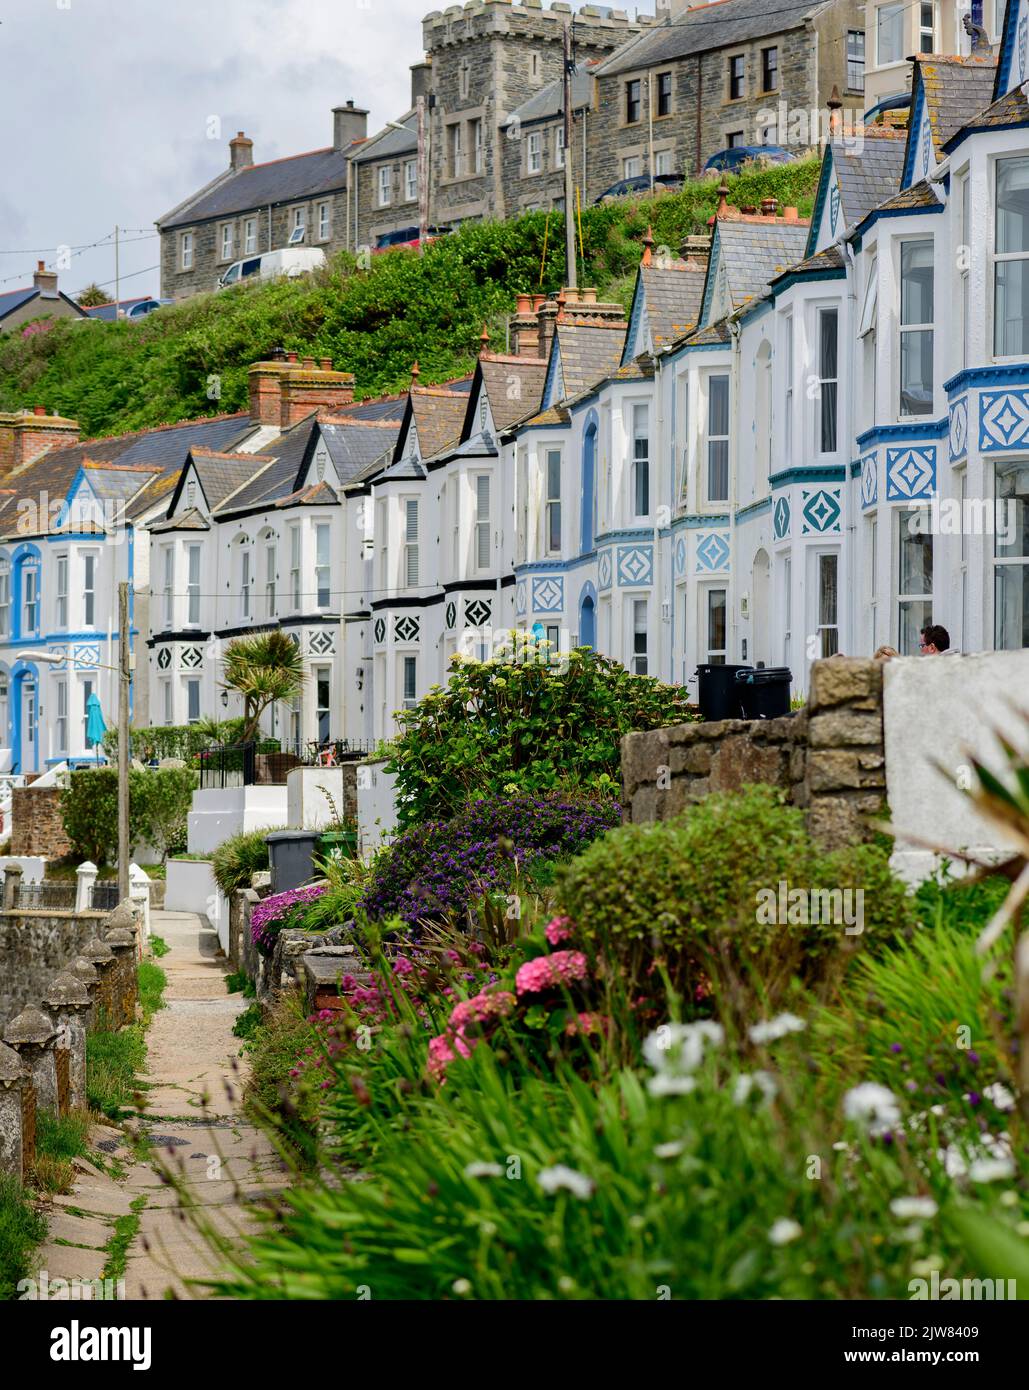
<point>781,518</point>
<point>520,599</point>
<point>680,555</point>
<point>1003,419</point>
<point>958,432</point>
<point>713,552</point>
<point>869,480</point>
<point>548,594</point>
<point>910,473</point>
<point>604,570</point>
<point>635,564</point>
<point>820,511</point>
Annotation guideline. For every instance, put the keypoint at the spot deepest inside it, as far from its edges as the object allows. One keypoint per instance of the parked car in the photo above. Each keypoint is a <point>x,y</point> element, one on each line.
<point>640,184</point>
<point>291,261</point>
<point>406,237</point>
<point>132,309</point>
<point>732,160</point>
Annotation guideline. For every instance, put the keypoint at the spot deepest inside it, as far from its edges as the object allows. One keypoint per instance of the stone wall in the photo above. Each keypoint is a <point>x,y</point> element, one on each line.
<point>828,758</point>
<point>34,946</point>
<point>36,825</point>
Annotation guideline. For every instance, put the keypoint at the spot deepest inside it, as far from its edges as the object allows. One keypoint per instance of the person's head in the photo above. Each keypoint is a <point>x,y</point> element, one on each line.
<point>885,654</point>
<point>935,640</point>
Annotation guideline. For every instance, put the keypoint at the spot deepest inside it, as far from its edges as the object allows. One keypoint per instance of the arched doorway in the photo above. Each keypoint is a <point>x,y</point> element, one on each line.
<point>25,719</point>
<point>588,616</point>
<point>761,643</point>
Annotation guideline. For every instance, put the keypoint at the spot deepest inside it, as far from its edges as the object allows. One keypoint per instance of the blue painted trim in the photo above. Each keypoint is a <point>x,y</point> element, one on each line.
<point>874,217</point>
<point>902,434</point>
<point>635,316</point>
<point>553,367</point>
<point>676,353</point>
<point>588,484</point>
<point>693,521</point>
<point>964,134</point>
<point>632,533</point>
<point>712,270</point>
<point>807,475</point>
<point>535,567</point>
<point>805,277</point>
<point>914,123</point>
<point>1001,374</point>
<point>1009,36</point>
<point>821,193</point>
<point>587,594</point>
<point>22,671</point>
<point>755,509</point>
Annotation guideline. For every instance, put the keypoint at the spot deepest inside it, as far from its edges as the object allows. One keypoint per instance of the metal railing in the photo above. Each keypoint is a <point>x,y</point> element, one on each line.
<point>228,765</point>
<point>56,895</point>
<point>332,752</point>
<point>104,895</point>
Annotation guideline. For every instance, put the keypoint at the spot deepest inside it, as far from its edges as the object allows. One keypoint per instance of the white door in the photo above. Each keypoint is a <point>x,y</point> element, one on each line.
<point>28,726</point>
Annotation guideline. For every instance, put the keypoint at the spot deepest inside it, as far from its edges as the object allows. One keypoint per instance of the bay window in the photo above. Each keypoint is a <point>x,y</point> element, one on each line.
<point>553,507</point>
<point>914,585</point>
<point>718,439</point>
<point>1011,562</point>
<point>322,564</point>
<point>641,460</point>
<point>411,542</point>
<point>193,585</point>
<point>62,591</point>
<point>483,546</point>
<point>30,602</point>
<point>828,378</point>
<point>916,327</point>
<point>89,590</point>
<point>169,596</point>
<point>1011,259</point>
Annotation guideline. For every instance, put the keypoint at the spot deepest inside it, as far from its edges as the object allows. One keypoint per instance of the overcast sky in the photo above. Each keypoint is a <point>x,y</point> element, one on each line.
<point>107,103</point>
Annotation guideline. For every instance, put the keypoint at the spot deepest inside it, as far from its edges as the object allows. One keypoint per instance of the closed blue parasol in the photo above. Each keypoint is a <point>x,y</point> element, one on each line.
<point>95,726</point>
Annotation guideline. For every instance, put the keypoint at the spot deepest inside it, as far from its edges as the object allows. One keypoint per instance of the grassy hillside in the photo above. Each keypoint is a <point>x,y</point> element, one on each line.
<point>192,359</point>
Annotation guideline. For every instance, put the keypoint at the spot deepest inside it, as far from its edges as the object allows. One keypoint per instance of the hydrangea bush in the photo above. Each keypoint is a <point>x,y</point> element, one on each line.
<point>272,914</point>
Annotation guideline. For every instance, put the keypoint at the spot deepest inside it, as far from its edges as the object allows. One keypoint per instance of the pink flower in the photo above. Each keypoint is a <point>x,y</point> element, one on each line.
<point>558,929</point>
<point>402,966</point>
<point>545,972</point>
<point>481,1007</point>
<point>587,1023</point>
<point>443,1050</point>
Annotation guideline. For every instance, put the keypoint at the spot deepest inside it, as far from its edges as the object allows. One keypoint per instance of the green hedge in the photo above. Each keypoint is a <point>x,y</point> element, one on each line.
<point>159,802</point>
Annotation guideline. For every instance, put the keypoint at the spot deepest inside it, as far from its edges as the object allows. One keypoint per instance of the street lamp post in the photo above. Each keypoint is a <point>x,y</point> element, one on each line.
<point>124,672</point>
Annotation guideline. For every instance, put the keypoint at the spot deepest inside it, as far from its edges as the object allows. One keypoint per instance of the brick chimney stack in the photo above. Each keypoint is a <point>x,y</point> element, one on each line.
<point>241,152</point>
<point>26,436</point>
<point>283,392</point>
<point>45,281</point>
<point>524,328</point>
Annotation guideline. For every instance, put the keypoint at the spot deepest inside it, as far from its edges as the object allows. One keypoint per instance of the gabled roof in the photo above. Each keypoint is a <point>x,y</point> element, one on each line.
<point>949,91</point>
<point>705,27</point>
<point>866,175</point>
<point>751,252</point>
<point>221,475</point>
<point>438,413</point>
<point>15,299</point>
<point>585,353</point>
<point>823,264</point>
<point>255,187</point>
<point>513,386</point>
<point>1009,110</point>
<point>190,520</point>
<point>666,302</point>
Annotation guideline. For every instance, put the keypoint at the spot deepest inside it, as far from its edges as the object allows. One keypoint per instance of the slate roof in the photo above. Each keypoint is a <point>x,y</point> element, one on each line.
<point>705,27</point>
<point>439,413</point>
<point>714,333</point>
<point>168,446</point>
<point>390,142</point>
<point>278,181</point>
<point>287,454</point>
<point>14,299</point>
<point>190,520</point>
<point>590,352</point>
<point>956,91</point>
<point>754,252</point>
<point>919,195</point>
<point>223,474</point>
<point>354,444</point>
<point>831,259</point>
<point>1010,110</point>
<point>869,174</point>
<point>674,296</point>
<point>498,374</point>
<point>548,102</point>
<point>117,482</point>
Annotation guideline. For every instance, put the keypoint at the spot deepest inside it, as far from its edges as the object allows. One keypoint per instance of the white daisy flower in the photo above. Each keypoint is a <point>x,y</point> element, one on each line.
<point>873,1106</point>
<point>913,1208</point>
<point>561,1177</point>
<point>680,1046</point>
<point>670,1150</point>
<point>775,1028</point>
<point>665,1084</point>
<point>483,1170</point>
<point>784,1230</point>
<point>999,1096</point>
<point>991,1170</point>
<point>762,1081</point>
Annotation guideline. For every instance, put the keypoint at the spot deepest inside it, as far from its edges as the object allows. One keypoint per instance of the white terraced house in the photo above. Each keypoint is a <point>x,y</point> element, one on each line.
<point>812,438</point>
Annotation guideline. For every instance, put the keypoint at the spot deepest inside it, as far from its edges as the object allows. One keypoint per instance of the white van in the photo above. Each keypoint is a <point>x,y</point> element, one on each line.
<point>269,265</point>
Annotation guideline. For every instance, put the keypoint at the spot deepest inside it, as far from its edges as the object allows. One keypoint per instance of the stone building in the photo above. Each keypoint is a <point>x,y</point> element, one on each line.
<point>250,208</point>
<point>41,299</point>
<point>712,77</point>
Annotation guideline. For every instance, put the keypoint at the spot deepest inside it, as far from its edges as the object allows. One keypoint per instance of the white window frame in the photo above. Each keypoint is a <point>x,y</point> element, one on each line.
<point>323,564</point>
<point>639,614</point>
<point>639,459</point>
<point>552,518</point>
<point>483,524</point>
<point>168,588</point>
<point>534,152</point>
<point>901,599</point>
<point>1002,257</point>
<point>821,313</point>
<point>5,597</point>
<point>186,251</point>
<point>411,181</point>
<point>904,328</point>
<point>828,633</point>
<point>295,577</point>
<point>884,62</point>
<point>411,557</point>
<point>324,220</point>
<point>61,722</point>
<point>250,236</point>
<point>90,562</point>
<point>193,585</point>
<point>384,185</point>
<point>559,146</point>
<point>228,237</point>
<point>246,580</point>
<point>271,564</point>
<point>193,687</point>
<point>62,593</point>
<point>709,438</point>
<point>707,593</point>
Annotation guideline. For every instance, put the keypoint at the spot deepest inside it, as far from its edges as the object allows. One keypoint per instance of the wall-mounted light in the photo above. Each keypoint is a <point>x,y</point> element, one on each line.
<point>225,699</point>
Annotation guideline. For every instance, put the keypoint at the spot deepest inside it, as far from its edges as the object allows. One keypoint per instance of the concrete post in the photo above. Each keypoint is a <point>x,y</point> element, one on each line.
<point>33,1036</point>
<point>13,1081</point>
<point>101,957</point>
<point>67,1002</point>
<point>86,973</point>
<point>85,877</point>
<point>12,886</point>
<point>139,892</point>
<point>122,942</point>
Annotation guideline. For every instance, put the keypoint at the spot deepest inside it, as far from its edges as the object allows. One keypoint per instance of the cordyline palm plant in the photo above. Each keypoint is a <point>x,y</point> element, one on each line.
<point>263,667</point>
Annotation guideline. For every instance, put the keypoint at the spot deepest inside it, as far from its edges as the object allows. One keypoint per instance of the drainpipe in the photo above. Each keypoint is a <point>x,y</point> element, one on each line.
<point>851,512</point>
<point>734,376</point>
<point>658,567</point>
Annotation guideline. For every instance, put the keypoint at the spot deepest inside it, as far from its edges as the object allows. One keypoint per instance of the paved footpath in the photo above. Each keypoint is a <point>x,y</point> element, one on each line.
<point>192,1121</point>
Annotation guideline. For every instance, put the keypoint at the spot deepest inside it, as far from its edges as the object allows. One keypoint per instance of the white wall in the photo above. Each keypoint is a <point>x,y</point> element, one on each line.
<point>376,806</point>
<point>220,812</point>
<point>942,710</point>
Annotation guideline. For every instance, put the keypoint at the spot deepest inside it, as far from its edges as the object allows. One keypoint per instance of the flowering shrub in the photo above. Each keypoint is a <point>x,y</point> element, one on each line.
<point>272,914</point>
<point>436,870</point>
